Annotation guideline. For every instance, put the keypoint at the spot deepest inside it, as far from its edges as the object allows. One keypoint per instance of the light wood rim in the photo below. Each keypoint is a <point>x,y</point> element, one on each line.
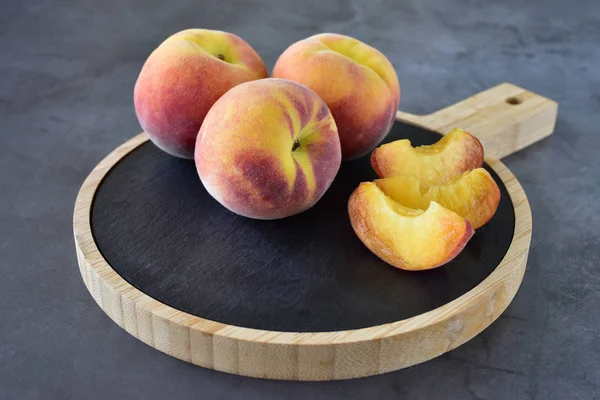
<point>292,355</point>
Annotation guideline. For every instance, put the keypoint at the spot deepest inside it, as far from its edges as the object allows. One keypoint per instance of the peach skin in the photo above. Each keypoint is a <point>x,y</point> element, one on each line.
<point>268,149</point>
<point>473,195</point>
<point>454,154</point>
<point>183,78</point>
<point>357,82</point>
<point>406,238</point>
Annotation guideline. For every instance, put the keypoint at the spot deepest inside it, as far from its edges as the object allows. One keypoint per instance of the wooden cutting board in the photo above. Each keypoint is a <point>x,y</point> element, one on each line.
<point>299,298</point>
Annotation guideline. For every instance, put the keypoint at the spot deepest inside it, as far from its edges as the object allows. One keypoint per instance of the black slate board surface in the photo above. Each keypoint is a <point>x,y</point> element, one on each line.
<point>161,231</point>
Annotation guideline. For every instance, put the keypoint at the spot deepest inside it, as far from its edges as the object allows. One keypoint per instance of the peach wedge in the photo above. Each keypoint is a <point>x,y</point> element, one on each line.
<point>454,154</point>
<point>406,238</point>
<point>473,195</point>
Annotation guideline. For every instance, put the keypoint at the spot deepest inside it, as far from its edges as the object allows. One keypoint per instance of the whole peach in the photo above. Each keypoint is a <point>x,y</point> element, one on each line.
<point>183,78</point>
<point>357,82</point>
<point>268,149</point>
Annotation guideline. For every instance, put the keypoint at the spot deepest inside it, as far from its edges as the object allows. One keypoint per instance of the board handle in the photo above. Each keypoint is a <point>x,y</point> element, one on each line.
<point>505,118</point>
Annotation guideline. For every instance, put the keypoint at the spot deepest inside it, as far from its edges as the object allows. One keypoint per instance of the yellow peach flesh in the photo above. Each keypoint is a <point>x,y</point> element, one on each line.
<point>473,195</point>
<point>454,154</point>
<point>406,238</point>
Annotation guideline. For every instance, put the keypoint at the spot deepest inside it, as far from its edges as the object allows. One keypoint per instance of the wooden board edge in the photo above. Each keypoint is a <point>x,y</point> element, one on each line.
<point>302,356</point>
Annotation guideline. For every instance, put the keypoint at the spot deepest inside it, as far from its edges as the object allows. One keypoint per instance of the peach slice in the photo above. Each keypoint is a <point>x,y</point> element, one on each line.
<point>454,154</point>
<point>406,238</point>
<point>473,195</point>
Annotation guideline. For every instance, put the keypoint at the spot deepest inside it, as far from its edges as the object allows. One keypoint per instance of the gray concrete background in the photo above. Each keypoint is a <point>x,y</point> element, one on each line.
<point>67,70</point>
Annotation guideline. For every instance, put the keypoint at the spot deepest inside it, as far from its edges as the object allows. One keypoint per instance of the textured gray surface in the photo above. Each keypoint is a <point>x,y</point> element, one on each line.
<point>67,71</point>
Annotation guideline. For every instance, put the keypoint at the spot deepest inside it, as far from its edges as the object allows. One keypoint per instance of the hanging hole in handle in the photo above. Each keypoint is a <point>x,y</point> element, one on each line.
<point>513,100</point>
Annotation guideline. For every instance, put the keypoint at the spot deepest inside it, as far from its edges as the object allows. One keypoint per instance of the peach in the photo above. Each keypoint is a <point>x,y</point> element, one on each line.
<point>454,154</point>
<point>473,195</point>
<point>183,78</point>
<point>268,149</point>
<point>357,82</point>
<point>403,237</point>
